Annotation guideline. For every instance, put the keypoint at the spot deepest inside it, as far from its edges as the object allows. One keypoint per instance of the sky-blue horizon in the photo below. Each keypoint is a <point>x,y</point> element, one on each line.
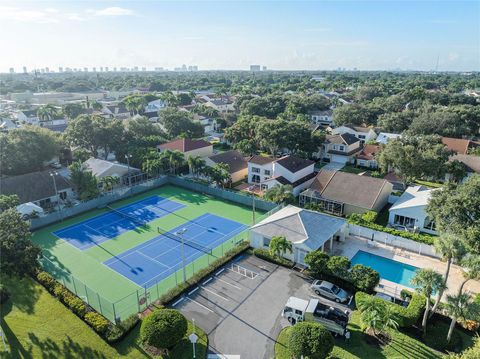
<point>230,35</point>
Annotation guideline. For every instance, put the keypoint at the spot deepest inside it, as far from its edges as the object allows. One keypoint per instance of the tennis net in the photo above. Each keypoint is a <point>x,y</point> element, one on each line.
<point>127,216</point>
<point>186,242</point>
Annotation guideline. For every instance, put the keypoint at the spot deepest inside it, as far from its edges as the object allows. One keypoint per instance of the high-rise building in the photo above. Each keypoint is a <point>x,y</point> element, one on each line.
<point>60,69</point>
<point>135,68</point>
<point>114,69</point>
<point>25,69</point>
<point>264,68</point>
<point>106,68</point>
<point>47,70</point>
<point>12,70</point>
<point>255,67</point>
<point>144,69</point>
<point>94,69</point>
<point>158,68</point>
<point>85,69</point>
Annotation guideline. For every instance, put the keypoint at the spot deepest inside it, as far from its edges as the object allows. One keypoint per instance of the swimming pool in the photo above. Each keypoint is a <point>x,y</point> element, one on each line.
<point>388,269</point>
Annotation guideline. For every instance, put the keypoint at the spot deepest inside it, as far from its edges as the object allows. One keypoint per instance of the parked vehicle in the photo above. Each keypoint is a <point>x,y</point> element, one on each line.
<point>300,310</point>
<point>56,165</point>
<point>330,291</point>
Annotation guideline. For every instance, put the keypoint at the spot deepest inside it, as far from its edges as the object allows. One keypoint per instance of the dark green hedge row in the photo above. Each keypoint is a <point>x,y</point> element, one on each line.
<point>266,255</point>
<point>417,237</point>
<point>202,273</point>
<point>406,316</point>
<point>108,331</point>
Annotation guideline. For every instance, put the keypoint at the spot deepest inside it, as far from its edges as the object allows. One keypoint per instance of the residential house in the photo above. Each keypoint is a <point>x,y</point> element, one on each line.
<point>364,134</point>
<point>471,163</point>
<point>210,125</point>
<point>340,148</point>
<point>307,231</point>
<point>459,146</point>
<point>395,180</point>
<point>117,111</point>
<point>267,172</point>
<point>222,105</point>
<point>323,118</point>
<point>28,117</point>
<point>188,147</point>
<point>344,193</point>
<point>38,188</point>
<point>7,124</point>
<point>384,137</point>
<point>155,106</point>
<point>367,157</point>
<point>238,166</point>
<point>102,168</point>
<point>409,210</point>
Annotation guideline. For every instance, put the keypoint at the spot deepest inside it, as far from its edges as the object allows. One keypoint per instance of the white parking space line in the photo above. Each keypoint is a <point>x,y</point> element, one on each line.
<point>200,304</point>
<point>208,280</point>
<point>192,291</point>
<point>218,295</point>
<point>220,271</point>
<point>178,301</point>
<point>230,284</point>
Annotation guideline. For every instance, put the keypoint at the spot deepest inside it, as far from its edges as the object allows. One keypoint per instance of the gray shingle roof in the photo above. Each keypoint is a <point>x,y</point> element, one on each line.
<point>32,187</point>
<point>233,159</point>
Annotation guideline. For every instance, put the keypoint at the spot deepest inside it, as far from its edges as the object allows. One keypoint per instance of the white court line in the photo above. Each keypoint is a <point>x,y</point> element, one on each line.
<point>178,301</point>
<point>211,291</point>
<point>208,280</point>
<point>193,291</point>
<point>152,259</point>
<point>200,304</point>
<point>233,285</point>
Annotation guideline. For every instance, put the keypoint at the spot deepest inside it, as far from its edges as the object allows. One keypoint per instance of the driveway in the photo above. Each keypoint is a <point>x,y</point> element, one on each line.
<point>240,306</point>
<point>333,166</point>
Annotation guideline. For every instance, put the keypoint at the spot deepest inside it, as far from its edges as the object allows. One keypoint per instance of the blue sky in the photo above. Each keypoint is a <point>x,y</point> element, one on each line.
<point>375,35</point>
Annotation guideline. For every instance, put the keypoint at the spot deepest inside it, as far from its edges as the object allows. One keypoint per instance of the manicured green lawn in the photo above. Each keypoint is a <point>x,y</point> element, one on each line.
<point>402,346</point>
<point>429,184</point>
<point>353,169</point>
<point>37,325</point>
<point>87,265</point>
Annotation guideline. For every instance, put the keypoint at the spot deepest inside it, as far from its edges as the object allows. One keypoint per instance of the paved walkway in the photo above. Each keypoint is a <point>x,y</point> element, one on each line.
<point>333,166</point>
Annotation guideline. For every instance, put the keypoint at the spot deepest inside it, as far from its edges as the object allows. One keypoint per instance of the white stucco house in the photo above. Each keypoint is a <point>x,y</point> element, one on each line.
<point>384,137</point>
<point>306,230</point>
<point>409,210</point>
<point>364,134</point>
<point>267,172</point>
<point>188,147</point>
<point>322,118</point>
<point>155,106</point>
<point>340,148</point>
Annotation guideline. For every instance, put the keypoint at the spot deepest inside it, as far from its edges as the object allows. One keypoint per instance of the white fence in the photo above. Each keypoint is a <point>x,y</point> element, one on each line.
<point>392,241</point>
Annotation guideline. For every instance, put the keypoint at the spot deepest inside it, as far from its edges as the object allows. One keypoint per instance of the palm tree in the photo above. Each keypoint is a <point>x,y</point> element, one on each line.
<point>176,160</point>
<point>279,245</point>
<point>280,194</point>
<point>376,315</point>
<point>108,182</point>
<point>195,164</point>
<point>460,306</point>
<point>47,112</point>
<point>220,174</point>
<point>471,269</point>
<point>427,281</point>
<point>450,248</point>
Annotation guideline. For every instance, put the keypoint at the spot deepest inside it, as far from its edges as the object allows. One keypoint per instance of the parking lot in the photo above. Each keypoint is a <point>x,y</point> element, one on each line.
<point>240,306</point>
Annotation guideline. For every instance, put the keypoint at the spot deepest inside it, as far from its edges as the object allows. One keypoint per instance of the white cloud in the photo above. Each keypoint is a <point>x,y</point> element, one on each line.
<point>113,11</point>
<point>18,14</point>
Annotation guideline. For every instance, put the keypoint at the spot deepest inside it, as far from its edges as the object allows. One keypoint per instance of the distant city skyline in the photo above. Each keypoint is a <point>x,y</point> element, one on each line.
<point>287,35</point>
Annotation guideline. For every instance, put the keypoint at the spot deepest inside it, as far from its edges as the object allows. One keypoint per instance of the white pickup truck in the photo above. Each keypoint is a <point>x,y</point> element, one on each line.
<point>300,310</point>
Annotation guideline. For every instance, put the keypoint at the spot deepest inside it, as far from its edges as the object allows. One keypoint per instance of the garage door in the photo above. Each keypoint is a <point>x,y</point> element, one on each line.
<point>339,159</point>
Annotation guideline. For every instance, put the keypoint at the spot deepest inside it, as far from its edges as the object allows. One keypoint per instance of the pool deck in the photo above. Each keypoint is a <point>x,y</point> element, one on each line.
<point>353,244</point>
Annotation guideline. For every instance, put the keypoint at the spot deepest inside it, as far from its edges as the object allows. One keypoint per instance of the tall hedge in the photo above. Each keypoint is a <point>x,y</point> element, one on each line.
<point>310,340</point>
<point>407,316</point>
<point>163,328</point>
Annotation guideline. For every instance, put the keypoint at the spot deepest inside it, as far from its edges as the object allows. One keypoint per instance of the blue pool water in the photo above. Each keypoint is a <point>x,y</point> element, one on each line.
<point>388,269</point>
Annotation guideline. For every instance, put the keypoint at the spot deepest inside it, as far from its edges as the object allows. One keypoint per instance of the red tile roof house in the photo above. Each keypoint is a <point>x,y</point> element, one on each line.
<point>267,172</point>
<point>459,145</point>
<point>188,147</point>
<point>367,156</point>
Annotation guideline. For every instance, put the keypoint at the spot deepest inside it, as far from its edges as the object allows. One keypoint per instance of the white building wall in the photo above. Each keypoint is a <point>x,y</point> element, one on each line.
<point>418,213</point>
<point>279,170</point>
<point>263,176</point>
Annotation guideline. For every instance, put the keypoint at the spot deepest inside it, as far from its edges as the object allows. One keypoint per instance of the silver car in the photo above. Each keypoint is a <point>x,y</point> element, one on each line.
<point>330,291</point>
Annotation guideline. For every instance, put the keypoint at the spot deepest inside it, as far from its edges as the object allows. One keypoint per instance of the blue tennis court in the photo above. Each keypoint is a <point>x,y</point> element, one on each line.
<point>109,225</point>
<point>161,256</point>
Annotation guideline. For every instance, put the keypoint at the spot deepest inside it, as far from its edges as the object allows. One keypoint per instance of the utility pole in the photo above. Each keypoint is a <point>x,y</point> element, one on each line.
<point>180,234</point>
<point>53,174</point>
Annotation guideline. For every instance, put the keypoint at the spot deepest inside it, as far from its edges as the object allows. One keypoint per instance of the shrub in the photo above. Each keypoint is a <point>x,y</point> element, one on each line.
<point>369,216</point>
<point>4,294</point>
<point>265,254</point>
<point>311,340</point>
<point>97,322</point>
<point>74,303</point>
<point>406,294</point>
<point>406,316</point>
<point>46,280</point>
<point>115,333</point>
<point>364,278</point>
<point>163,328</point>
<point>317,262</point>
<point>59,290</point>
<point>339,266</point>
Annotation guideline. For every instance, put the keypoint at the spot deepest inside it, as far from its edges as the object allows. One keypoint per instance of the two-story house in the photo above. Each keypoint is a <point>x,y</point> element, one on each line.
<point>28,117</point>
<point>288,170</point>
<point>155,106</point>
<point>364,134</point>
<point>340,148</point>
<point>322,118</point>
<point>367,157</point>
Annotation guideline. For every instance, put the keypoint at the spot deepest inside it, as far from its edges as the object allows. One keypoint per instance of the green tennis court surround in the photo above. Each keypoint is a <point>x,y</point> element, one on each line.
<point>84,272</point>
